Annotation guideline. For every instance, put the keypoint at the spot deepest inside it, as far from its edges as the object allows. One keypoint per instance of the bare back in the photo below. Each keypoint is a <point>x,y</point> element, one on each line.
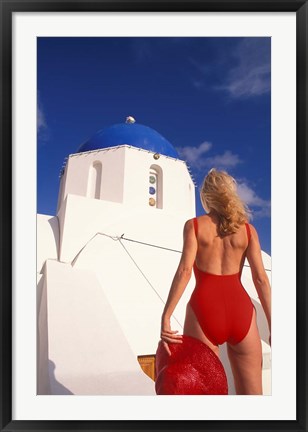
<point>218,255</point>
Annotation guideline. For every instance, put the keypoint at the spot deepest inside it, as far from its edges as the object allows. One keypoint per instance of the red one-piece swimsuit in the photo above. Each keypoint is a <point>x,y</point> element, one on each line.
<point>221,304</point>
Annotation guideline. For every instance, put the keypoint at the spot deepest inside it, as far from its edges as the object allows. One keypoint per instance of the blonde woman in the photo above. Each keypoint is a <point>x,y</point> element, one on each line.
<point>220,310</point>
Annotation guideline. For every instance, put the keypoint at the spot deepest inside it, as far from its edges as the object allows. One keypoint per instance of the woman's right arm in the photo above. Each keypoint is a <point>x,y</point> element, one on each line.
<point>179,283</point>
<point>259,275</point>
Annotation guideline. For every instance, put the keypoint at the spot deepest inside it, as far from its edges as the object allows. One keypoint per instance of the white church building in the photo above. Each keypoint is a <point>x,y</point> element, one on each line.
<point>105,263</point>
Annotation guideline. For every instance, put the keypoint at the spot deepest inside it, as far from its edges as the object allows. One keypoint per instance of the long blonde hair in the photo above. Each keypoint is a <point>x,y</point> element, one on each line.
<point>219,194</point>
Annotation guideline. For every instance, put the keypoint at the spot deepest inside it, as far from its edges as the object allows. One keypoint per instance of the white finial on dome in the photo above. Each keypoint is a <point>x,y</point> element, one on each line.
<point>130,119</point>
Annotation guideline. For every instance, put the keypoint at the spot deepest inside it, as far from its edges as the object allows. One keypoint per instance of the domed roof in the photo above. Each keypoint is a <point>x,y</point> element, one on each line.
<point>130,133</point>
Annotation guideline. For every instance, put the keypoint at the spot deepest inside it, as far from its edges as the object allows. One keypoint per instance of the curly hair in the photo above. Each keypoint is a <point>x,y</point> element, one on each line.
<point>219,194</point>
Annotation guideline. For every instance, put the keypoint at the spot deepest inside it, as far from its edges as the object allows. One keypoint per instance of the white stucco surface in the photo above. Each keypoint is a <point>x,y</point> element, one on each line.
<point>81,218</point>
<point>87,350</point>
<point>125,178</point>
<point>48,234</point>
<point>136,280</point>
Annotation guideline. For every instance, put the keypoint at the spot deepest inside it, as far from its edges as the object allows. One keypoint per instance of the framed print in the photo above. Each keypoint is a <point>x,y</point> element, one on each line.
<point>143,103</point>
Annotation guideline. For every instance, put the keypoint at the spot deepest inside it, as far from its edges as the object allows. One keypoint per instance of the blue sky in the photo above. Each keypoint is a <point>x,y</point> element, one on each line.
<point>210,97</point>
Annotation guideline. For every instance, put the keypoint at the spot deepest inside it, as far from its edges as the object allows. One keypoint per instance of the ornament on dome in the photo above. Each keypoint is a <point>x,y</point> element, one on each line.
<point>130,119</point>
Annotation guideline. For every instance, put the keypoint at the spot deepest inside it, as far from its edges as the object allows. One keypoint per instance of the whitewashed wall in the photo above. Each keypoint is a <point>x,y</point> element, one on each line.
<point>88,353</point>
<point>125,178</point>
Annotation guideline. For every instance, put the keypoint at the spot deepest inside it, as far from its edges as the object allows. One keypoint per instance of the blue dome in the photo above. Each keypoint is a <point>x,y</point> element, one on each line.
<point>133,134</point>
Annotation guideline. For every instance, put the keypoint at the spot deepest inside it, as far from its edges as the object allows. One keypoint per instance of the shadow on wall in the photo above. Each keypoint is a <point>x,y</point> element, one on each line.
<point>56,388</point>
<point>262,322</point>
<point>55,226</point>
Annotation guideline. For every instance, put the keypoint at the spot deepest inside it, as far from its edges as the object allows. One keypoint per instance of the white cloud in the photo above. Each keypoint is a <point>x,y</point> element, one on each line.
<point>259,206</point>
<point>193,155</point>
<point>262,212</point>
<point>225,161</point>
<point>41,121</point>
<point>251,76</point>
<point>43,132</point>
<point>248,83</point>
<point>203,69</point>
<point>196,157</point>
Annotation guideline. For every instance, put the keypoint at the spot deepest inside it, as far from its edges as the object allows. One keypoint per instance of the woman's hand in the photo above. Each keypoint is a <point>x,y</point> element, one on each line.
<point>169,336</point>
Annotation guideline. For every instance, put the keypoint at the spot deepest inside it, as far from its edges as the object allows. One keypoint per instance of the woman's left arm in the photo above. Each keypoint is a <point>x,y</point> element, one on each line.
<point>179,283</point>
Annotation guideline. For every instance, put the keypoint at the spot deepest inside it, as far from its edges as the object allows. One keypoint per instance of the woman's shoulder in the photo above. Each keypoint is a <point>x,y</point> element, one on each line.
<point>189,224</point>
<point>204,218</point>
<point>194,222</point>
<point>197,219</point>
<point>250,225</point>
<point>252,229</point>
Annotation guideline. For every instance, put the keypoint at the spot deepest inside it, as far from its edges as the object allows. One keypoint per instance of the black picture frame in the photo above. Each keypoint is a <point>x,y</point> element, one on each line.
<point>7,9</point>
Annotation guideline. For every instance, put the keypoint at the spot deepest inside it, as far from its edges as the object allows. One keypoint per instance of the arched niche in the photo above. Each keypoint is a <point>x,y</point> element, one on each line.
<point>156,186</point>
<point>95,180</point>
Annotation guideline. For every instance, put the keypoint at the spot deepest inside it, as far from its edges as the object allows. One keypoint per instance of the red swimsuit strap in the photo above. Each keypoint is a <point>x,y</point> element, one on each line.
<point>248,231</point>
<point>196,226</point>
